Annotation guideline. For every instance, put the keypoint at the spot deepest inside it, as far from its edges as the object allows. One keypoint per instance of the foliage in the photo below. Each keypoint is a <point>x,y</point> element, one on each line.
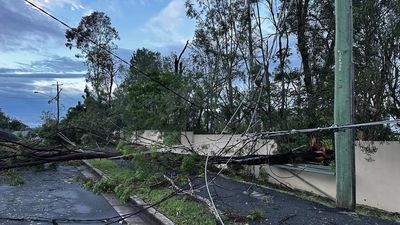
<point>171,138</point>
<point>145,165</point>
<point>93,31</point>
<point>125,148</point>
<point>123,191</point>
<point>190,164</point>
<point>285,80</point>
<point>12,177</point>
<point>147,103</point>
<point>112,169</point>
<point>91,122</point>
<point>11,124</point>
<point>48,131</point>
<point>180,209</point>
<point>263,175</point>
<point>332,165</point>
<point>256,214</point>
<point>104,185</point>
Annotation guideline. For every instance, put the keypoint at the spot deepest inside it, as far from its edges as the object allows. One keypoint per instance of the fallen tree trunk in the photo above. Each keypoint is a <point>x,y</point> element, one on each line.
<point>283,158</point>
<point>30,156</point>
<point>63,158</point>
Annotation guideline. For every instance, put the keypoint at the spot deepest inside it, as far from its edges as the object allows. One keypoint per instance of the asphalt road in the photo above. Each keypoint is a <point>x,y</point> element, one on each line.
<point>52,194</point>
<point>279,208</point>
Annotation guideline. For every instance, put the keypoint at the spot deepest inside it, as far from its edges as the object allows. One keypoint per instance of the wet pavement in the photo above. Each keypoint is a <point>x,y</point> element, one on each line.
<point>240,198</point>
<point>52,194</point>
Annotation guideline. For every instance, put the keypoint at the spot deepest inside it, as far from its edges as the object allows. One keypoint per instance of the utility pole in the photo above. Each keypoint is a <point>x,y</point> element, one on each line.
<point>58,104</point>
<point>57,98</point>
<point>344,106</point>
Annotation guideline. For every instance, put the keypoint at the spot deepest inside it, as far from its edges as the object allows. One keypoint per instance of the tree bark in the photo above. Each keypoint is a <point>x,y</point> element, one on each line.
<point>63,158</point>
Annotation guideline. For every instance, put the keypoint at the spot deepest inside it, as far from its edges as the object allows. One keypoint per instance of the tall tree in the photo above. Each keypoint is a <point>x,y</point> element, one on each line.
<point>219,39</point>
<point>147,104</point>
<point>95,37</point>
<point>376,53</point>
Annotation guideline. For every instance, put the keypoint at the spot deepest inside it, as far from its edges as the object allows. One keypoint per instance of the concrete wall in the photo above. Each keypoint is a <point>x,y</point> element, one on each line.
<point>377,177</point>
<point>204,143</point>
<point>147,137</point>
<point>378,181</point>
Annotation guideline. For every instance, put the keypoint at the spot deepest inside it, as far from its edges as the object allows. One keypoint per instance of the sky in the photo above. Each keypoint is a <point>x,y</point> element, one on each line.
<point>33,56</point>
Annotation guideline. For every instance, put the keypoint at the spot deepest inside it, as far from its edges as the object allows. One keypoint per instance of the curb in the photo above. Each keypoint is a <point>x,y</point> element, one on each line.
<point>151,212</point>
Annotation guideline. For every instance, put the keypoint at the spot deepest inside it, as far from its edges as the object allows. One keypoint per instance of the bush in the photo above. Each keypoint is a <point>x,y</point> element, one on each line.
<point>189,164</point>
<point>171,138</point>
<point>256,214</point>
<point>123,191</point>
<point>125,148</point>
<point>104,185</point>
<point>180,209</point>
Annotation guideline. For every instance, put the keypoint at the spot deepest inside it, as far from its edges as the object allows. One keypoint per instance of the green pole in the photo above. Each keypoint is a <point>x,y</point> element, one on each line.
<point>343,112</point>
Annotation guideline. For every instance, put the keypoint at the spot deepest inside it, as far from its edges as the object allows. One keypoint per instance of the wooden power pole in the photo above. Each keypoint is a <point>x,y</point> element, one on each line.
<point>344,104</point>
<point>58,104</point>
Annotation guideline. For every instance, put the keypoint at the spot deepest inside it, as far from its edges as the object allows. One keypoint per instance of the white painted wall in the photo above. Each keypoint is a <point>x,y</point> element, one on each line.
<point>204,143</point>
<point>377,181</point>
<point>147,137</point>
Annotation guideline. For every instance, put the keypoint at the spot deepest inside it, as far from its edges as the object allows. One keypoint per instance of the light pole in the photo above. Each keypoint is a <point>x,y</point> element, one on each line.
<point>57,98</point>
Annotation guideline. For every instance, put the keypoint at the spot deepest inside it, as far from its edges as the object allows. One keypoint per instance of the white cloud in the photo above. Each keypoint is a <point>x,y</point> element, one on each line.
<point>170,26</point>
<point>72,4</point>
<point>73,86</point>
<point>70,86</point>
<point>24,29</point>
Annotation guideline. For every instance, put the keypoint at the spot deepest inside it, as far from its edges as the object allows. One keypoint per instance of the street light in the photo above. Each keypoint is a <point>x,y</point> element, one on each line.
<point>39,92</point>
<point>42,93</point>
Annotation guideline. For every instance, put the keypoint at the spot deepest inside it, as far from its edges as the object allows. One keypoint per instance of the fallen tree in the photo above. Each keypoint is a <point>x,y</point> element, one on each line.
<point>16,153</point>
<point>283,158</point>
<point>60,158</point>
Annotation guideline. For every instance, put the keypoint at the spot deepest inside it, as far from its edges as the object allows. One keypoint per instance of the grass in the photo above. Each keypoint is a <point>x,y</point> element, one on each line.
<point>369,211</point>
<point>125,182</point>
<point>112,169</point>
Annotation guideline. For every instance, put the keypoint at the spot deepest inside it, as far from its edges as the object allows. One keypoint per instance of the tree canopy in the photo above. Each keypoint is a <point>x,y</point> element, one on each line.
<point>95,37</point>
<point>262,65</point>
<point>8,123</point>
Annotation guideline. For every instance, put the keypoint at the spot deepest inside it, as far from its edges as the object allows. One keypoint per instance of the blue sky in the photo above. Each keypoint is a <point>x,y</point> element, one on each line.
<point>33,56</point>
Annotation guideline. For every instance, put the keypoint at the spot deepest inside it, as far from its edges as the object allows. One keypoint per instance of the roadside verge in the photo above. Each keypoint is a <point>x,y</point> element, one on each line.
<point>149,213</point>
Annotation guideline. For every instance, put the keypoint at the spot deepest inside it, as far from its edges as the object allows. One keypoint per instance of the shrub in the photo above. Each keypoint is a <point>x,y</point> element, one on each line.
<point>104,185</point>
<point>256,214</point>
<point>171,138</point>
<point>189,164</point>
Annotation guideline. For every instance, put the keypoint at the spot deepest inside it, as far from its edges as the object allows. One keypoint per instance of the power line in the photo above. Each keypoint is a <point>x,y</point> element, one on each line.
<point>334,127</point>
